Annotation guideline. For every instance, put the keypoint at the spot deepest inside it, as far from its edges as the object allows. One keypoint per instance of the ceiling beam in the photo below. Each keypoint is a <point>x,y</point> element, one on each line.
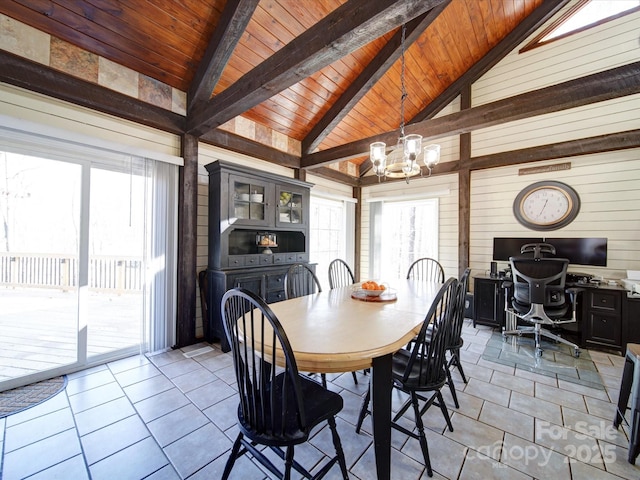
<point>236,143</point>
<point>39,78</point>
<point>232,24</point>
<point>609,84</point>
<point>349,27</point>
<point>335,175</point>
<point>368,78</point>
<point>572,148</point>
<point>530,24</point>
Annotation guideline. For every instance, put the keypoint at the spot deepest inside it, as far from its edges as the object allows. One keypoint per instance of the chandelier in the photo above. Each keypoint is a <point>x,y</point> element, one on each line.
<point>402,161</point>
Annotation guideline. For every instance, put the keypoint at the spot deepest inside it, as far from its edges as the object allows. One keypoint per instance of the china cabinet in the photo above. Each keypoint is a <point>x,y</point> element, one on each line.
<point>258,227</point>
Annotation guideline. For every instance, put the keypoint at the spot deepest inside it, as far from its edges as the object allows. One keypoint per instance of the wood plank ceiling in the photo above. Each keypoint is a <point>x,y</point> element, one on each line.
<point>323,72</point>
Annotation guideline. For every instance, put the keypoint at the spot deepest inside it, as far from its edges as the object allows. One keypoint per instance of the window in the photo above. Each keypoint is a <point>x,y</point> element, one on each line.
<point>331,234</point>
<point>402,232</point>
<point>583,15</point>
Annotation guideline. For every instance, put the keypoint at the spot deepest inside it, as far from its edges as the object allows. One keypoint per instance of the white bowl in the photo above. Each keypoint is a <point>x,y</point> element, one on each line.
<point>244,197</point>
<point>373,293</point>
<point>256,197</point>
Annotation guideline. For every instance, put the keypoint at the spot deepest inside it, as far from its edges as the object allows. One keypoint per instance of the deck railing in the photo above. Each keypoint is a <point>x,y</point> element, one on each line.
<point>118,274</point>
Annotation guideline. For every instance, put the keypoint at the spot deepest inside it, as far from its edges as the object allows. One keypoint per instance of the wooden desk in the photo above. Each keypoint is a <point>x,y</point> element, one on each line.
<point>332,332</point>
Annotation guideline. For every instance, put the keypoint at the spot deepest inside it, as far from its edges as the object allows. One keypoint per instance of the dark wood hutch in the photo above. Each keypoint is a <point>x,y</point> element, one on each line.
<point>258,227</point>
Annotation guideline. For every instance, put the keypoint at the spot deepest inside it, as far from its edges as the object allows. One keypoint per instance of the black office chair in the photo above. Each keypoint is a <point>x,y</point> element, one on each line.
<point>539,294</point>
<point>340,275</point>
<point>421,371</point>
<point>300,280</point>
<point>278,406</point>
<point>426,269</point>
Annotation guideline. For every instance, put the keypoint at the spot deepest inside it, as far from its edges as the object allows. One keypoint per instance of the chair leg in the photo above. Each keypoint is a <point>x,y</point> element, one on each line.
<point>421,435</point>
<point>364,409</point>
<point>338,446</point>
<point>232,457</point>
<point>452,388</point>
<point>288,462</point>
<point>445,411</point>
<point>455,362</point>
<point>324,380</point>
<point>355,377</point>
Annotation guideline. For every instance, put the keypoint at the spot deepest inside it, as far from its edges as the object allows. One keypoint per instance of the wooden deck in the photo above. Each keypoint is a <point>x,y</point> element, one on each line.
<point>39,329</point>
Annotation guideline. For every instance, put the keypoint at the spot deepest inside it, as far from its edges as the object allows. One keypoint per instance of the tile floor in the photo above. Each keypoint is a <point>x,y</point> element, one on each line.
<point>172,416</point>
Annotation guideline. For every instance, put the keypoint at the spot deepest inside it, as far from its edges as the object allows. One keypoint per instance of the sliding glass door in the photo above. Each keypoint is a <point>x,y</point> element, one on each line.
<point>116,260</point>
<point>87,261</point>
<point>39,243</point>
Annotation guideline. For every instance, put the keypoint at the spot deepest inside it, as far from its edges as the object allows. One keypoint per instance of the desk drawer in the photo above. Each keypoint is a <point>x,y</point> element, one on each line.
<point>604,329</point>
<point>604,300</point>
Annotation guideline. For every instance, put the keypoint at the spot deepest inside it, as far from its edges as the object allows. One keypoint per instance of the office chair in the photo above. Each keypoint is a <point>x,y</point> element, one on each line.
<point>340,275</point>
<point>539,294</point>
<point>420,371</point>
<point>426,269</point>
<point>278,407</point>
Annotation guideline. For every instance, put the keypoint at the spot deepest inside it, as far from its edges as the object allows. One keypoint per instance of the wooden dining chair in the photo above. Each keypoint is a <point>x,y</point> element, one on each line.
<point>421,371</point>
<point>300,280</point>
<point>340,275</point>
<point>278,407</point>
<point>456,342</point>
<point>426,269</point>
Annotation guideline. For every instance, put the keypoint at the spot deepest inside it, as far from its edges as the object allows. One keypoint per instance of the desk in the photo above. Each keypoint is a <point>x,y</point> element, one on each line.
<point>331,332</point>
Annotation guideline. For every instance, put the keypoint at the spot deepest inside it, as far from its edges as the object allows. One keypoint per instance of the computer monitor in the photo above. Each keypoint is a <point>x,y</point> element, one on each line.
<point>505,247</point>
<point>581,251</point>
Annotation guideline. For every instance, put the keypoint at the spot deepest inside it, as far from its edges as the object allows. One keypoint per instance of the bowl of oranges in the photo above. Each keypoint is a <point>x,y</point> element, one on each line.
<point>373,289</point>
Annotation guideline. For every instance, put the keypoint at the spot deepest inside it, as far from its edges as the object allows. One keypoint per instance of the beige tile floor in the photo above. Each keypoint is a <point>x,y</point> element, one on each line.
<point>172,416</point>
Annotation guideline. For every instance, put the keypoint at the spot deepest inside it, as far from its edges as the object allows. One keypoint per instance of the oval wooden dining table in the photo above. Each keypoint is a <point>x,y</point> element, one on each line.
<point>332,332</point>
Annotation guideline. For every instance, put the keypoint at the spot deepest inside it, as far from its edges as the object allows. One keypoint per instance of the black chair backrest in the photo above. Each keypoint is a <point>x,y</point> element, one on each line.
<point>300,280</point>
<point>538,249</point>
<point>426,269</point>
<point>340,275</point>
<point>428,354</point>
<point>458,316</point>
<point>269,402</point>
<point>539,281</point>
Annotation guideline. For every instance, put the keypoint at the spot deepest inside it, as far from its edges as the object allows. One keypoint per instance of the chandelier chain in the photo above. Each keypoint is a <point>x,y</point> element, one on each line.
<point>402,83</point>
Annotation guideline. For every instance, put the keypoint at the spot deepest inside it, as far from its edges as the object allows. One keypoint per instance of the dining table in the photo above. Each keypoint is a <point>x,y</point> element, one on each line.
<point>343,330</point>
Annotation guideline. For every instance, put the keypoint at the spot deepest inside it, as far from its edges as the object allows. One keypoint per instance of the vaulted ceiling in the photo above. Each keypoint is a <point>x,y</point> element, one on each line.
<point>323,72</point>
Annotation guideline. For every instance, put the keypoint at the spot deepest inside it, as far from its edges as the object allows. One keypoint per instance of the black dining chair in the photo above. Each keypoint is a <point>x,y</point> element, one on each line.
<point>421,372</point>
<point>456,341</point>
<point>278,407</point>
<point>300,280</point>
<point>340,275</point>
<point>426,269</point>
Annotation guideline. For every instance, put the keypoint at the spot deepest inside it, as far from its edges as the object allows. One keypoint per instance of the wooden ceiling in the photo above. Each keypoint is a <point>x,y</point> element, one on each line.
<point>324,72</point>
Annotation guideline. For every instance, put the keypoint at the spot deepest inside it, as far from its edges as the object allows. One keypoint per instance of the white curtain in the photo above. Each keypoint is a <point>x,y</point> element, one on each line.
<point>161,253</point>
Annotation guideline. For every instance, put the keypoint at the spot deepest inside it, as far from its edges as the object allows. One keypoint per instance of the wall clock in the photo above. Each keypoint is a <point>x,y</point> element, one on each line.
<point>546,205</point>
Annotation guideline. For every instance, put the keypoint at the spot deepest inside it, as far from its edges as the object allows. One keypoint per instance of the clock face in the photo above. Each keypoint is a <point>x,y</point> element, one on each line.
<point>546,205</point>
